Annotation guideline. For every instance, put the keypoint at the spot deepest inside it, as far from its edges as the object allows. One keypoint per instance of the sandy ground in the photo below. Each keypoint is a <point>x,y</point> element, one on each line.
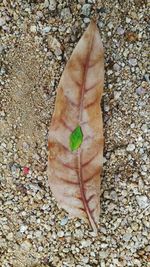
<point>37,38</point>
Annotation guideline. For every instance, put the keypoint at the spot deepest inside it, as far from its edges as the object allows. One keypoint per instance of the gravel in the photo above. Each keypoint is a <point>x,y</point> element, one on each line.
<point>37,38</point>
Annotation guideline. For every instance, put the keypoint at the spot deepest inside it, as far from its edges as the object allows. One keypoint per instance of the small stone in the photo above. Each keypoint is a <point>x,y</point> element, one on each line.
<point>128,20</point>
<point>60,234</point>
<point>126,237</point>
<point>65,13</point>
<point>86,20</point>
<point>1,49</point>
<point>85,243</point>
<point>140,91</point>
<point>64,221</point>
<point>10,236</point>
<point>26,245</point>
<point>46,3</point>
<point>77,224</point>
<point>25,146</point>
<point>103,254</point>
<point>33,28</point>
<point>54,45</point>
<point>86,9</point>
<point>102,264</point>
<point>52,5</point>
<point>2,22</point>
<point>106,108</point>
<point>137,262</point>
<point>79,233</point>
<point>39,15</point>
<point>117,95</point>
<point>116,67</point>
<point>130,147</point>
<point>110,25</point>
<point>85,259</point>
<point>23,228</point>
<point>147,78</point>
<point>38,234</point>
<point>134,226</point>
<point>133,62</point>
<point>120,31</point>
<point>144,128</point>
<point>142,201</point>
<point>47,29</point>
<point>45,207</point>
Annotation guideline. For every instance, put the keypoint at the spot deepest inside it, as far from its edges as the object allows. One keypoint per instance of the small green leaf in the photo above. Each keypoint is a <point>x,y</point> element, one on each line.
<point>76,138</point>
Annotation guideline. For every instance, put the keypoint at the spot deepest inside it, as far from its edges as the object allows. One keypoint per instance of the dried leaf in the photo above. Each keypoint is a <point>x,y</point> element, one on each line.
<point>74,176</point>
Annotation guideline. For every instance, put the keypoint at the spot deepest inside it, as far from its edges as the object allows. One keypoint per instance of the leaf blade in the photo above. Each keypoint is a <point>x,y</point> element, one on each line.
<point>77,103</point>
<point>76,138</point>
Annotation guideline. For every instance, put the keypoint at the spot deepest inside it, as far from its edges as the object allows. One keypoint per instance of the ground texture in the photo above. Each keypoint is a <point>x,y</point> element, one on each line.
<point>37,38</point>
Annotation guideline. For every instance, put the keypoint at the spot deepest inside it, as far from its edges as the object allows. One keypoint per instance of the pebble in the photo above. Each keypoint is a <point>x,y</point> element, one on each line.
<point>126,237</point>
<point>142,201</point>
<point>54,45</point>
<point>140,91</point>
<point>144,128</point>
<point>33,28</point>
<point>103,254</point>
<point>102,264</point>
<point>120,30</point>
<point>117,95</point>
<point>10,236</point>
<point>26,245</point>
<point>64,221</point>
<point>133,62</point>
<point>86,9</point>
<point>131,147</point>
<point>85,243</point>
<point>47,29</point>
<point>135,226</point>
<point>65,13</point>
<point>110,25</point>
<point>46,3</point>
<point>52,5</point>
<point>128,20</point>
<point>60,234</point>
<point>2,22</point>
<point>116,67</point>
<point>23,228</point>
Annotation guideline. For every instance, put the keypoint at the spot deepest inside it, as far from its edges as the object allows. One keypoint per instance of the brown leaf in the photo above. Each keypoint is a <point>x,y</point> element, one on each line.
<point>74,176</point>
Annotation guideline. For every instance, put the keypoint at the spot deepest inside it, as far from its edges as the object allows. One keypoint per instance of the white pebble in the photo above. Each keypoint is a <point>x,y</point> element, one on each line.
<point>46,29</point>
<point>85,243</point>
<point>23,228</point>
<point>64,221</point>
<point>126,237</point>
<point>10,236</point>
<point>144,128</point>
<point>33,28</point>
<point>116,95</point>
<point>142,201</point>
<point>52,5</point>
<point>2,22</point>
<point>120,31</point>
<point>133,62</point>
<point>60,234</point>
<point>128,20</point>
<point>103,254</point>
<point>130,147</point>
<point>26,245</point>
